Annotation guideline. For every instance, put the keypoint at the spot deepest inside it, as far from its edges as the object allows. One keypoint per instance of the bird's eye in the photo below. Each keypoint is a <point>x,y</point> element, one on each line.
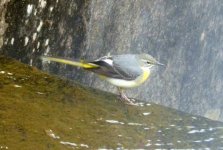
<point>149,62</point>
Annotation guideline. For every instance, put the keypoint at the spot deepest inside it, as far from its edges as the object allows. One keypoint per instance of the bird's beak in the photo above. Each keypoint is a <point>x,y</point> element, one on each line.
<point>160,64</point>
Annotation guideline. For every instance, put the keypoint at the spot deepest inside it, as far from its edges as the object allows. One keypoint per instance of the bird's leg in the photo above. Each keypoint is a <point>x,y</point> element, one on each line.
<point>124,98</point>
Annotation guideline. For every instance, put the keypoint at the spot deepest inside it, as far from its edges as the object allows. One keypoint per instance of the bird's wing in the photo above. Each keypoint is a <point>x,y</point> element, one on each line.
<point>119,66</point>
<point>127,65</point>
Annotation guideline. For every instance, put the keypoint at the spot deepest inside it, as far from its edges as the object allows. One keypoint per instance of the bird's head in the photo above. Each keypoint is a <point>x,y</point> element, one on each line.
<point>147,60</point>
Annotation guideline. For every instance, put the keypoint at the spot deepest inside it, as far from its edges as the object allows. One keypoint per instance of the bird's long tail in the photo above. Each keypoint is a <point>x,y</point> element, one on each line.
<point>70,62</point>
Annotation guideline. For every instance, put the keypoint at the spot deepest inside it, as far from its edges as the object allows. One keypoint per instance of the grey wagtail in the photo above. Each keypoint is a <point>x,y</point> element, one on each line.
<point>123,71</point>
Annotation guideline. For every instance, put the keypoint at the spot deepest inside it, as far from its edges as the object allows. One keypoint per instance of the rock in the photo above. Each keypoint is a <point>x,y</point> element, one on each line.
<point>69,115</point>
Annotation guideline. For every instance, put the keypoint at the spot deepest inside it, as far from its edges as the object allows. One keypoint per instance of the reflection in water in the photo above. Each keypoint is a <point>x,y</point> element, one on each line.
<point>74,145</point>
<point>51,134</point>
<point>68,143</point>
<point>134,124</point>
<point>146,113</point>
<point>196,131</point>
<point>114,122</point>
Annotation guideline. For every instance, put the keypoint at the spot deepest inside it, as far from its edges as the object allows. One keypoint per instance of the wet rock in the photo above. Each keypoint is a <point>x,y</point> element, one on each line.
<point>89,118</point>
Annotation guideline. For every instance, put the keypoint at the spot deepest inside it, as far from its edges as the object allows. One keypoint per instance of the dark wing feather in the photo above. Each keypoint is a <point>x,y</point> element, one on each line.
<point>105,69</point>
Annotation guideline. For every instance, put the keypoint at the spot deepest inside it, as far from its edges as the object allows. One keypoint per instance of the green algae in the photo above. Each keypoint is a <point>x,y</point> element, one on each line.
<point>40,111</point>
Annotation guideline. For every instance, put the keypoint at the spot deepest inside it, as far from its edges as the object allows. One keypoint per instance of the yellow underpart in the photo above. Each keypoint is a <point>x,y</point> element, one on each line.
<point>70,62</point>
<point>145,75</point>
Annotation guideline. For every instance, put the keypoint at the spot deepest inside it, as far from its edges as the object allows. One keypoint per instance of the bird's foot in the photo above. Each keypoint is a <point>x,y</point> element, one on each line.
<point>124,98</point>
<point>127,100</point>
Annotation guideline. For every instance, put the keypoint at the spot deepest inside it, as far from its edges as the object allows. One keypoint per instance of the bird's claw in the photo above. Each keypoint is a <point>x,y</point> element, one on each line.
<point>127,100</point>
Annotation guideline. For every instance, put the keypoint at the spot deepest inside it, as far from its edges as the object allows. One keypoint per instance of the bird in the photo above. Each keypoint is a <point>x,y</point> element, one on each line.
<point>123,71</point>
